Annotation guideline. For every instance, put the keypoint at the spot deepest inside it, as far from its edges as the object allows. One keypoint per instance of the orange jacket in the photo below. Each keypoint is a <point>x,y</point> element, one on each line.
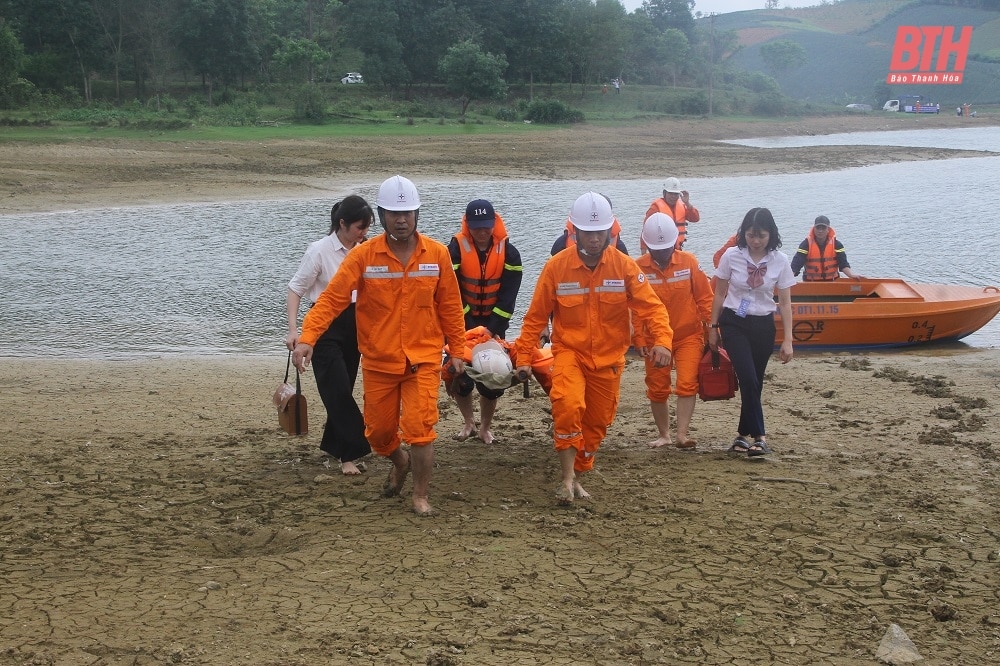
<point>821,264</point>
<point>404,314</point>
<point>717,257</point>
<point>590,309</point>
<point>616,232</point>
<point>684,289</point>
<point>681,214</point>
<point>480,284</point>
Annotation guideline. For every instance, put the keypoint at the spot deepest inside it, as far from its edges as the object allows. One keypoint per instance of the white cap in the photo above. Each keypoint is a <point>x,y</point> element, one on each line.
<point>659,232</point>
<point>398,193</point>
<point>672,185</point>
<point>591,212</point>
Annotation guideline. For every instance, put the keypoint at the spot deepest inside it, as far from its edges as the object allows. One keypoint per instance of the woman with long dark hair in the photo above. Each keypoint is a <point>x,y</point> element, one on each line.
<point>743,316</point>
<point>336,357</point>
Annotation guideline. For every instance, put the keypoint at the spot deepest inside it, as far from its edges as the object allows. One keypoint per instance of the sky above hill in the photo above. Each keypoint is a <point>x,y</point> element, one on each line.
<point>726,6</point>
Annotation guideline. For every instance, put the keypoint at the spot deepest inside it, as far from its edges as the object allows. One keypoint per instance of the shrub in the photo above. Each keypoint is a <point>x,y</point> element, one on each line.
<point>506,114</point>
<point>552,112</point>
<point>309,104</point>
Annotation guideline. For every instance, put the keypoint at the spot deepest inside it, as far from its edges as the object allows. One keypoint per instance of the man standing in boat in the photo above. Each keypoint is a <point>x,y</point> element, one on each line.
<point>676,203</point>
<point>822,255</point>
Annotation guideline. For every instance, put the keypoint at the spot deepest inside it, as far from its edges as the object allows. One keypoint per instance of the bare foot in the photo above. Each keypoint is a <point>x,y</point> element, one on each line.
<point>565,495</point>
<point>350,469</point>
<point>579,492</point>
<point>486,436</point>
<point>397,477</point>
<point>466,431</point>
<point>686,443</point>
<point>660,441</point>
<point>422,507</point>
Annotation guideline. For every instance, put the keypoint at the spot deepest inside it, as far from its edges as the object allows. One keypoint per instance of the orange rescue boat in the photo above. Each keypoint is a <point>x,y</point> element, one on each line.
<point>876,312</point>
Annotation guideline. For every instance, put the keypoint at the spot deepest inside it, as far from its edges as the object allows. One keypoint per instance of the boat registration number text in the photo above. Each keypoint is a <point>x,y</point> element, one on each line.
<point>816,309</point>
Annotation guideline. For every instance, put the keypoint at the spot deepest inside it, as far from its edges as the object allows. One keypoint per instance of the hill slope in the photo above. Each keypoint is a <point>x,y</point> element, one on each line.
<point>849,46</point>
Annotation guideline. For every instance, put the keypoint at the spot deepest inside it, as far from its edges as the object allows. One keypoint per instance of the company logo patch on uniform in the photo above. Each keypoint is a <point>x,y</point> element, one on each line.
<point>376,269</point>
<point>641,278</point>
<point>429,267</point>
<point>615,283</point>
<point>686,272</point>
<point>568,285</point>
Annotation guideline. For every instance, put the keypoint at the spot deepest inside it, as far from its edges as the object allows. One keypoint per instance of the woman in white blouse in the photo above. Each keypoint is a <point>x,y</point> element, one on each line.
<point>743,317</point>
<point>336,357</point>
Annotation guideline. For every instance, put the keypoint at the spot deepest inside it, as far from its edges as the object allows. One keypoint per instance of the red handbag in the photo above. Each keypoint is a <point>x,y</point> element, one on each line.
<point>716,376</point>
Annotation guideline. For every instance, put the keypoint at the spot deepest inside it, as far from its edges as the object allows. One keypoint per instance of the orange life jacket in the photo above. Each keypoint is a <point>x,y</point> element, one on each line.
<point>821,265</point>
<point>480,282</point>
<point>678,215</point>
<point>616,231</point>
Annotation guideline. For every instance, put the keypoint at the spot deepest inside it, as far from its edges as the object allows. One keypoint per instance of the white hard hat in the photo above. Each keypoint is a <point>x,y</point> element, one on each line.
<point>398,193</point>
<point>672,185</point>
<point>591,212</point>
<point>659,232</point>
<point>491,365</point>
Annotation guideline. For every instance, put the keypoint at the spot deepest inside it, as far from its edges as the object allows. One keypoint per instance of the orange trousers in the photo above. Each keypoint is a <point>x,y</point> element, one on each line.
<point>401,404</point>
<point>584,403</point>
<point>687,353</point>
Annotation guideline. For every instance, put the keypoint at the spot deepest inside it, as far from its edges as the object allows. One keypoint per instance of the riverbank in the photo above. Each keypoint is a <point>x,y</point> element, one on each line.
<point>54,175</point>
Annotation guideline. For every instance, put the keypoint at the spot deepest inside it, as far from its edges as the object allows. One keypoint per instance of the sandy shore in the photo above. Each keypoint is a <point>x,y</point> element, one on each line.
<point>152,512</point>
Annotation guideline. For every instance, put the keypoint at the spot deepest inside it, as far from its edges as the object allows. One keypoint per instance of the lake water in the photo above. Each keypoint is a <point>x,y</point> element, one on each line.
<point>197,279</point>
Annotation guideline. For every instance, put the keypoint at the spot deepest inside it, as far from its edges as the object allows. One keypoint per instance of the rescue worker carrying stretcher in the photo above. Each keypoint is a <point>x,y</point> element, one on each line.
<point>407,303</point>
<point>489,274</point>
<point>590,293</point>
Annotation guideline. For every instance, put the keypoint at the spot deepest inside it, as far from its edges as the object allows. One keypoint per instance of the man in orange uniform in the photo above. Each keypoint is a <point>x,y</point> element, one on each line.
<point>408,303</point>
<point>676,203</point>
<point>590,292</point>
<point>680,283</point>
<point>489,273</point>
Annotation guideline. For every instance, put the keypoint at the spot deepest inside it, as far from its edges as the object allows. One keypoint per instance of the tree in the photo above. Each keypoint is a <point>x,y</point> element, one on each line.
<point>11,57</point>
<point>672,14</point>
<point>301,55</point>
<point>472,74</point>
<point>214,36</point>
<point>783,55</point>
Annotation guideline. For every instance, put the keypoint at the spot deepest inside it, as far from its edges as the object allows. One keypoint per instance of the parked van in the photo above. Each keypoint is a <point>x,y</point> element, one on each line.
<point>353,77</point>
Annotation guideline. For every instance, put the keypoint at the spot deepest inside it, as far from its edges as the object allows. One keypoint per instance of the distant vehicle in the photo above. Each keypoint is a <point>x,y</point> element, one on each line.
<point>911,104</point>
<point>859,107</point>
<point>353,77</point>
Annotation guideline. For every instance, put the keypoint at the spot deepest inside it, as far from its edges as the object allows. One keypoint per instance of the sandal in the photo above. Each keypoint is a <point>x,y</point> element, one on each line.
<point>759,448</point>
<point>740,445</point>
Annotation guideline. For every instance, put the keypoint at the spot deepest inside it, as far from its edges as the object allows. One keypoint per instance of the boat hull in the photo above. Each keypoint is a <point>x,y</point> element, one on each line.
<point>886,313</point>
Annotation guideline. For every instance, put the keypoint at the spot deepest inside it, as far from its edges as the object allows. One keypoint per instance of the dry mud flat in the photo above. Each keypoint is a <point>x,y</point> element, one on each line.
<point>151,512</point>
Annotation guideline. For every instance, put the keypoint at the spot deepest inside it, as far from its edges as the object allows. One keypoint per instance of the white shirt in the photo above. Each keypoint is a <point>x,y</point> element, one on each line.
<point>318,266</point>
<point>734,265</point>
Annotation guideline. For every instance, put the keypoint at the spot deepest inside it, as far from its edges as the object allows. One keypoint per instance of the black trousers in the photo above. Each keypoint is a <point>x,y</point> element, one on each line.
<point>335,362</point>
<point>749,341</point>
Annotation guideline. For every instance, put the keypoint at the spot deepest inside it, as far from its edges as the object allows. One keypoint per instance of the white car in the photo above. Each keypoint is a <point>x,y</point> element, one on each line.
<point>353,77</point>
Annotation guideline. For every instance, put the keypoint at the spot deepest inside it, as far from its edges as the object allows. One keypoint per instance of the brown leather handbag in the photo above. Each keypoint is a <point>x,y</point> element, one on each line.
<point>293,415</point>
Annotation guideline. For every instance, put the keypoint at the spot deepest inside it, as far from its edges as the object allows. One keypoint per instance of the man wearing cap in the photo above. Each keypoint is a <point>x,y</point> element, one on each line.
<point>684,289</point>
<point>822,255</point>
<point>489,274</point>
<point>407,303</point>
<point>676,203</point>
<point>593,296</point>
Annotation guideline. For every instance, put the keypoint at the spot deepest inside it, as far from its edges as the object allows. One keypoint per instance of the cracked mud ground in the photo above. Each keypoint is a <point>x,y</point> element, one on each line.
<point>151,512</point>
